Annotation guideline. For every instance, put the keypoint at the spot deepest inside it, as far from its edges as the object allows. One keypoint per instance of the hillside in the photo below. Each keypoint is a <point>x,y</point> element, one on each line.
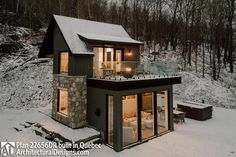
<point>26,81</point>
<point>220,93</point>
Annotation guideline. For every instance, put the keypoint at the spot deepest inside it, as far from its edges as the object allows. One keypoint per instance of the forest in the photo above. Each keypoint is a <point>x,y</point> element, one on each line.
<point>185,25</point>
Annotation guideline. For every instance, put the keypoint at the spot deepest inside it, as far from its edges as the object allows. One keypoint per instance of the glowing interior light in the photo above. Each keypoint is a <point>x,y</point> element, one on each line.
<point>128,69</point>
<point>109,49</point>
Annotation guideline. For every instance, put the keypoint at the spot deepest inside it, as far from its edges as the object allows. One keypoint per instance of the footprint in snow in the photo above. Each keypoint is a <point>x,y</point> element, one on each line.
<point>18,130</point>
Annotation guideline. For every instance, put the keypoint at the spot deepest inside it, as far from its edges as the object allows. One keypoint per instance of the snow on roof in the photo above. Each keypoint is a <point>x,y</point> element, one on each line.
<point>106,38</point>
<point>71,27</point>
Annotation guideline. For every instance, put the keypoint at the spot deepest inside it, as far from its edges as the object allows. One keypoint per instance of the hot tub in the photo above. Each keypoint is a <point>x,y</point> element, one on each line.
<point>197,111</point>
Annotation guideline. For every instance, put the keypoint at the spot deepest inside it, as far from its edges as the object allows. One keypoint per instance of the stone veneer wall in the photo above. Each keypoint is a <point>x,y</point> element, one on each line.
<point>77,100</point>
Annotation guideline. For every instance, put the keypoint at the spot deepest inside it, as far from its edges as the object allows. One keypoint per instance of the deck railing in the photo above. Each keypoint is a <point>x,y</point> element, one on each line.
<point>131,69</point>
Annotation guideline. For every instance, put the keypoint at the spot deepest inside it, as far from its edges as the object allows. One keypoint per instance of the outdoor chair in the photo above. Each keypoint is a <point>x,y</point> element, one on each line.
<point>179,109</point>
<point>179,118</point>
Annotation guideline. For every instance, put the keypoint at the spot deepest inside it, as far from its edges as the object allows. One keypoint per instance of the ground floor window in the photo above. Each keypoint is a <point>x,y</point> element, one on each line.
<point>110,120</point>
<point>63,101</point>
<point>144,116</point>
<point>147,115</point>
<point>130,119</point>
<point>162,112</point>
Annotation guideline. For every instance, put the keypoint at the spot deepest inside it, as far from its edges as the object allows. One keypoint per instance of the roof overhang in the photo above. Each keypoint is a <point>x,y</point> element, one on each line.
<point>105,39</point>
<point>117,85</point>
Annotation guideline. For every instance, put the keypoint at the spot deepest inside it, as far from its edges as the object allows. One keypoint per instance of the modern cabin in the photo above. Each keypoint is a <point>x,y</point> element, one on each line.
<point>98,81</point>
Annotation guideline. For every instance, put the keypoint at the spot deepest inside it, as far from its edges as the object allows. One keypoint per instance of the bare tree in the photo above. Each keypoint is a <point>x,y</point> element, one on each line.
<point>230,15</point>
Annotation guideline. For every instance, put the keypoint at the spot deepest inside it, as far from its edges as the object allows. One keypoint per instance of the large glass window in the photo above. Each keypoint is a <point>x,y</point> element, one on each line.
<point>162,111</point>
<point>110,120</point>
<point>130,119</point>
<point>63,101</point>
<point>64,60</point>
<point>147,115</point>
<point>106,61</point>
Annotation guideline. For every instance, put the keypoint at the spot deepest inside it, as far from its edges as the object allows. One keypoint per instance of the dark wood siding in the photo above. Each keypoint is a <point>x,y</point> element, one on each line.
<point>59,45</point>
<point>81,65</point>
<point>78,64</point>
<point>135,52</point>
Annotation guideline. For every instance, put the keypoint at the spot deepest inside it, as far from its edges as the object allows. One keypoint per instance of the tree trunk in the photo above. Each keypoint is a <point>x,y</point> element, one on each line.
<point>196,58</point>
<point>17,6</point>
<point>214,60</point>
<point>203,60</point>
<point>225,59</point>
<point>231,47</point>
<point>231,5</point>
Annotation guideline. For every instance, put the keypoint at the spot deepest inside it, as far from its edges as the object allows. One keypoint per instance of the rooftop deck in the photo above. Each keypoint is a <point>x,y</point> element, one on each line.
<point>137,81</point>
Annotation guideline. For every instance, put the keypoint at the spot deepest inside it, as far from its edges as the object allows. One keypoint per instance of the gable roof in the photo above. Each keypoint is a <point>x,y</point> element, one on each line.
<point>77,32</point>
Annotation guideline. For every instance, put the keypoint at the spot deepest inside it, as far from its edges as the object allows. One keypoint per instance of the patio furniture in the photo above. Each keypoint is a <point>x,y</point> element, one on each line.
<point>179,116</point>
<point>134,124</point>
<point>107,71</point>
<point>148,123</point>
<point>126,121</point>
<point>197,111</point>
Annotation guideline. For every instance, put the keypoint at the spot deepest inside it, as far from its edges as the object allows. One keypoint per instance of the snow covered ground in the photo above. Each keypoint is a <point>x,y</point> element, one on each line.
<point>10,120</point>
<point>211,138</point>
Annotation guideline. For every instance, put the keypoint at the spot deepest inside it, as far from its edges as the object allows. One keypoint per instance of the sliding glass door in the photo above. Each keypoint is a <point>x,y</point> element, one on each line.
<point>107,61</point>
<point>144,115</point>
<point>110,120</point>
<point>162,112</point>
<point>130,119</point>
<point>147,115</point>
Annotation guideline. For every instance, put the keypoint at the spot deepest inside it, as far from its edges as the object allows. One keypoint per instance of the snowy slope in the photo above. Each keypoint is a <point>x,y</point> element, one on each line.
<point>25,80</point>
<point>194,87</point>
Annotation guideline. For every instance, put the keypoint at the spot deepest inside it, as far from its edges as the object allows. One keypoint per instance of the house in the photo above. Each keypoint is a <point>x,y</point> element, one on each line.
<point>98,81</point>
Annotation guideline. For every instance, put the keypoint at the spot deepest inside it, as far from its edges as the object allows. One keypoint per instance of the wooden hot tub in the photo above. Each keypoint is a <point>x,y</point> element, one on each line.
<point>197,111</point>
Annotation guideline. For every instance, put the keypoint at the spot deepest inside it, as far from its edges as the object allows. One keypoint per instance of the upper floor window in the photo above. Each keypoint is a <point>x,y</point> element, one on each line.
<point>64,60</point>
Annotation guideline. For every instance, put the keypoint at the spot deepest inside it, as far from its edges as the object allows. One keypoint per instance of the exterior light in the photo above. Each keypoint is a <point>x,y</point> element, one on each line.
<point>129,53</point>
<point>128,72</point>
<point>128,69</point>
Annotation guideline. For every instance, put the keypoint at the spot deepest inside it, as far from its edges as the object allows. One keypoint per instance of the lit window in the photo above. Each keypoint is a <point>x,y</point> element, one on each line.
<point>64,60</point>
<point>63,101</point>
